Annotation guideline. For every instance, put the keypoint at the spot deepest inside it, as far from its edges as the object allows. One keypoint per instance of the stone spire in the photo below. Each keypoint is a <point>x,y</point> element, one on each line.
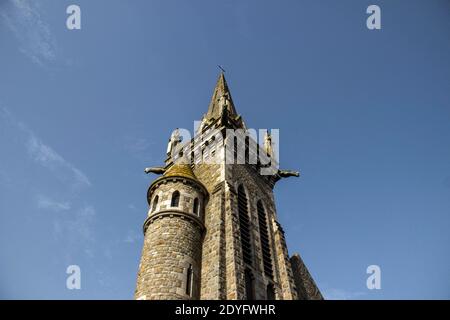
<point>221,110</point>
<point>221,97</point>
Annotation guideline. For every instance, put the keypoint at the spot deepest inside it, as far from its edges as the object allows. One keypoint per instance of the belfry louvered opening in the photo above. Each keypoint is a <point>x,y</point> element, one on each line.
<point>264,236</point>
<point>244,225</point>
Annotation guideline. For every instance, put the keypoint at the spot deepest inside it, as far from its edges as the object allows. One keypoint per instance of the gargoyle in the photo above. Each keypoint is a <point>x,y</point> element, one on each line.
<point>288,173</point>
<point>156,170</point>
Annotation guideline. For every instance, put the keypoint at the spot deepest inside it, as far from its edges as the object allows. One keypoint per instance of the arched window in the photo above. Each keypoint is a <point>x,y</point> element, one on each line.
<point>249,290</point>
<point>244,226</point>
<point>264,238</point>
<point>196,206</point>
<point>175,199</point>
<point>270,294</point>
<point>155,203</point>
<point>189,280</point>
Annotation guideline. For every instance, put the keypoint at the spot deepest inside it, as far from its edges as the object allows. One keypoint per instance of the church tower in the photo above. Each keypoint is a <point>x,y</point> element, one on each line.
<point>212,230</point>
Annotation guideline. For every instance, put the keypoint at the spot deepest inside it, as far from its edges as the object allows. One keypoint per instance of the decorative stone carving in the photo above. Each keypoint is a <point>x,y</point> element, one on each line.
<point>175,138</point>
<point>155,170</point>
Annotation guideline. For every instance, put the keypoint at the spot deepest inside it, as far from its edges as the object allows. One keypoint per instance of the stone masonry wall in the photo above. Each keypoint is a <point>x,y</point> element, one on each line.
<point>256,190</point>
<point>172,242</point>
<point>306,287</point>
<point>213,262</point>
<point>188,192</point>
<point>210,242</point>
<point>170,245</point>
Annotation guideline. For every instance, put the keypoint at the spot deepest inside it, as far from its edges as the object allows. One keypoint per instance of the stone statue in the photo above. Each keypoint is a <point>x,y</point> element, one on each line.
<point>268,144</point>
<point>288,173</point>
<point>156,170</point>
<point>224,115</point>
<point>223,100</point>
<point>175,138</point>
<point>223,105</point>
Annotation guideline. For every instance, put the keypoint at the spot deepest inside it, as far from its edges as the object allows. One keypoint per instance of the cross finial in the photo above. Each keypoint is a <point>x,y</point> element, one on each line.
<point>222,69</point>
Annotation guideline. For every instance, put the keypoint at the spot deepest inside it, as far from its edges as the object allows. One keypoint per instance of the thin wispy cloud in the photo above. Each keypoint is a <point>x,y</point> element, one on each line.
<point>49,158</point>
<point>340,294</point>
<point>46,156</point>
<point>44,202</point>
<point>72,219</point>
<point>25,19</point>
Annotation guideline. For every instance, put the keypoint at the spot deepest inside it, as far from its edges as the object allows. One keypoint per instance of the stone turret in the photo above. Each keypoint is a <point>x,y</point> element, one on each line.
<point>171,257</point>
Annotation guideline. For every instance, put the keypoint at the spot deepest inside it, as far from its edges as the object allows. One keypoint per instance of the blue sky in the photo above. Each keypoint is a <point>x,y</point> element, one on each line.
<point>364,115</point>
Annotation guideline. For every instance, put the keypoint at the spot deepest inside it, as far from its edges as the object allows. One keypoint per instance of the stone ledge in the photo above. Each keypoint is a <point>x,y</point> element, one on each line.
<point>173,213</point>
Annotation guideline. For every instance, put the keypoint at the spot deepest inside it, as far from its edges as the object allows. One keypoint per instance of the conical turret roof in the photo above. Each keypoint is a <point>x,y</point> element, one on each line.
<point>180,170</point>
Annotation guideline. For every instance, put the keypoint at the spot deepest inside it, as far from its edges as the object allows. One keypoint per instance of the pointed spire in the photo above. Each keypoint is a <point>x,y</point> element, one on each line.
<point>221,97</point>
